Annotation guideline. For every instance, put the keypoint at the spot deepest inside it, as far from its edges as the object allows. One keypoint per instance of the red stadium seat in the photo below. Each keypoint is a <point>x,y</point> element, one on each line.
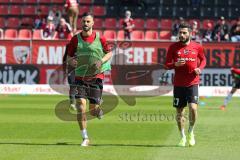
<point>205,23</point>
<point>152,24</point>
<point>45,1</point>
<point>3,9</point>
<point>31,1</point>
<point>151,35</point>
<point>99,10</point>
<point>59,1</point>
<point>27,22</point>
<point>137,35</point>
<point>37,34</point>
<point>166,24</point>
<point>110,23</point>
<point>120,23</point>
<point>83,9</point>
<point>110,34</point>
<point>139,23</point>
<point>17,1</point>
<point>98,23</point>
<point>15,10</point>
<point>165,35</point>
<point>13,22</point>
<point>85,1</point>
<point>2,22</point>
<point>24,34</point>
<point>4,1</point>
<point>120,35</point>
<point>44,9</point>
<point>28,10</point>
<point>10,34</point>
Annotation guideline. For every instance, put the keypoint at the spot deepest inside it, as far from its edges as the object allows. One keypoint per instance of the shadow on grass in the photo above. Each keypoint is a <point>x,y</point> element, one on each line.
<point>92,145</point>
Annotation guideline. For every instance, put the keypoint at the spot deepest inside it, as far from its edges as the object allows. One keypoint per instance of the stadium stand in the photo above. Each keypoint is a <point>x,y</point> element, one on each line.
<point>139,23</point>
<point>86,2</point>
<point>110,34</point>
<point>2,22</point>
<point>83,9</point>
<point>24,34</point>
<point>151,35</point>
<point>28,10</point>
<point>36,34</point>
<point>15,10</point>
<point>99,11</point>
<point>137,35</point>
<point>166,24</point>
<point>120,35</point>
<point>111,23</point>
<point>165,35</point>
<point>13,22</point>
<point>152,24</point>
<point>10,34</point>
<point>157,15</point>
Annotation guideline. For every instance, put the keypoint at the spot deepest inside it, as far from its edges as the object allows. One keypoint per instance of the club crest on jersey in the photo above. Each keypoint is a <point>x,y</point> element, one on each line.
<point>186,51</point>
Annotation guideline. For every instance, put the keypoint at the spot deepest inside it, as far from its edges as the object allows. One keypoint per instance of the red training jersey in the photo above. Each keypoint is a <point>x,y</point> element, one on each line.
<point>71,3</point>
<point>235,70</point>
<point>73,46</point>
<point>193,54</point>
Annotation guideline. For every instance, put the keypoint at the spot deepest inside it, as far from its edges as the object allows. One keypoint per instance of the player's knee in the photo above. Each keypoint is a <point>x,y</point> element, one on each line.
<point>179,117</point>
<point>92,112</point>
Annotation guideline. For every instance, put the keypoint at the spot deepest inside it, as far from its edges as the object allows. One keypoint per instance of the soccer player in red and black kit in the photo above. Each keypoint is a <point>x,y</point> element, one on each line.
<point>90,55</point>
<point>187,58</point>
<point>236,77</point>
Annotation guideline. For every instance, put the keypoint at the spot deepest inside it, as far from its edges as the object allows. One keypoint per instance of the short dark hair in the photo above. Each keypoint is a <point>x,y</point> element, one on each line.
<point>185,25</point>
<point>87,14</point>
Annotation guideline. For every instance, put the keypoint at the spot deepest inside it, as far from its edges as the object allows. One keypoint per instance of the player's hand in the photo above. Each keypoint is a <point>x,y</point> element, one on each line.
<point>197,71</point>
<point>98,64</point>
<point>73,62</point>
<point>180,62</point>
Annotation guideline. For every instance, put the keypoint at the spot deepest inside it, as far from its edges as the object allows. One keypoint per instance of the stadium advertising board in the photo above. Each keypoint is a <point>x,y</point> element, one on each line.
<point>120,75</point>
<point>50,53</point>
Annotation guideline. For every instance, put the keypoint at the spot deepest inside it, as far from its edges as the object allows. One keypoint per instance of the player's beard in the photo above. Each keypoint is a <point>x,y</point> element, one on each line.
<point>184,40</point>
<point>86,28</point>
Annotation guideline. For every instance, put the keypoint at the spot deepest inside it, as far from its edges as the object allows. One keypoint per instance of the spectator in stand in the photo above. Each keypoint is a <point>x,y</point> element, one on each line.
<point>48,31</point>
<point>207,33</point>
<point>195,31</point>
<point>64,30</point>
<point>175,28</point>
<point>220,31</point>
<point>72,11</point>
<point>56,14</point>
<point>235,31</point>
<point>39,20</point>
<point>128,25</point>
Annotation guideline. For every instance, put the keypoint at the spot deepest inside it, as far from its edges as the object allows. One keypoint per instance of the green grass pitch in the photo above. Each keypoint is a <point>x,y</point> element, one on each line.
<point>30,130</point>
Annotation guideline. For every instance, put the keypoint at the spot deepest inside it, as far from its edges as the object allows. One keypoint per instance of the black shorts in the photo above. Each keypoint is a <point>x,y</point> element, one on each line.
<point>71,78</point>
<point>184,95</point>
<point>91,90</point>
<point>236,84</point>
